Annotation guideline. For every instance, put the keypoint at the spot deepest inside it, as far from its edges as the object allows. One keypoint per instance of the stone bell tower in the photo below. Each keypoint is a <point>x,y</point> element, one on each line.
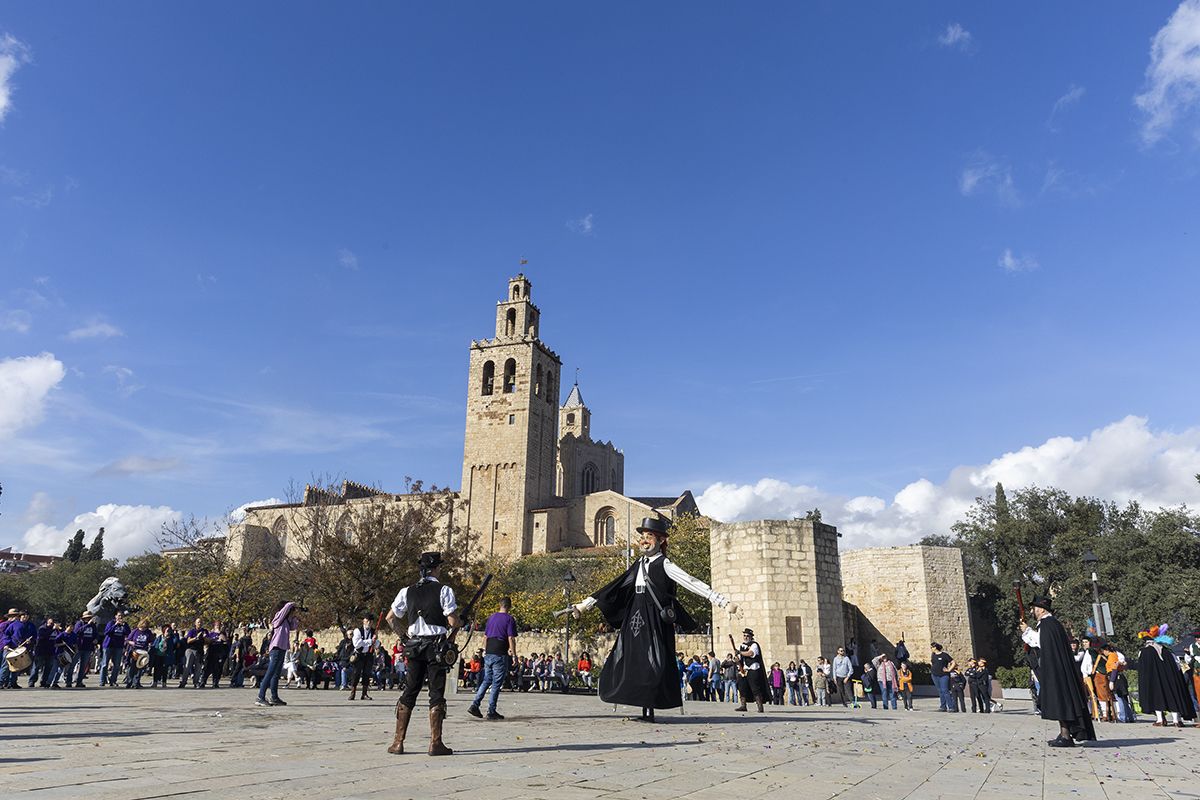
<point>512,427</point>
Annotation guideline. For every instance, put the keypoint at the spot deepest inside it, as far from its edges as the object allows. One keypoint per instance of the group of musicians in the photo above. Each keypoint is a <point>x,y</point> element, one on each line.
<point>57,655</point>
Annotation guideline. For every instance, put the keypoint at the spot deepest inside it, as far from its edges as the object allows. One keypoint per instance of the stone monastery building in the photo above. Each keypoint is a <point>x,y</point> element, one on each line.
<point>534,481</point>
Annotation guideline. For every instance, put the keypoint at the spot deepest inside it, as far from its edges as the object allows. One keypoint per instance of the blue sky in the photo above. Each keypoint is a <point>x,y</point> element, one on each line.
<point>803,255</point>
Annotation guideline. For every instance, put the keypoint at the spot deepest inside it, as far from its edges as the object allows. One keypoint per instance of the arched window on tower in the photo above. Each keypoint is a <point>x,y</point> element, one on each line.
<point>510,322</point>
<point>551,387</point>
<point>531,325</point>
<point>537,386</point>
<point>489,377</point>
<point>517,292</point>
<point>510,376</point>
<point>570,417</point>
<point>279,530</point>
<point>587,480</point>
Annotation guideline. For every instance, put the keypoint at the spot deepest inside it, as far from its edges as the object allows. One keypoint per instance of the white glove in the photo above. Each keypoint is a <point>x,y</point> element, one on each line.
<point>732,608</point>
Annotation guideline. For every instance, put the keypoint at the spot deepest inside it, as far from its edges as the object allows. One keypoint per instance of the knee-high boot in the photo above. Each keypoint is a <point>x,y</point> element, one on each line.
<point>403,713</point>
<point>437,715</point>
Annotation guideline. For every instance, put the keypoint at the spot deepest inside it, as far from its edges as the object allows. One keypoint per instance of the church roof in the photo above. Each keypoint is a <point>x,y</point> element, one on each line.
<point>574,399</point>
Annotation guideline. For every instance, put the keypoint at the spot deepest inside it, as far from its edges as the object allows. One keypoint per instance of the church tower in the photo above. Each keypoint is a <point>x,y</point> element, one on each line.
<point>512,427</point>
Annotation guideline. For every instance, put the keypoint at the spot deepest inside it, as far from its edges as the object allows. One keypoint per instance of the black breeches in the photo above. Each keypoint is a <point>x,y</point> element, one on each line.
<point>753,685</point>
<point>363,667</point>
<point>418,670</point>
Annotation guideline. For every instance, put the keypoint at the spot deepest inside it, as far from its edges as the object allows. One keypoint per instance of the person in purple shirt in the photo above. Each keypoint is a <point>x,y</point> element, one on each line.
<point>87,635</point>
<point>64,642</point>
<point>282,625</point>
<point>193,656</point>
<point>139,640</point>
<point>113,649</point>
<point>19,632</point>
<point>43,655</point>
<point>501,647</point>
<point>12,616</point>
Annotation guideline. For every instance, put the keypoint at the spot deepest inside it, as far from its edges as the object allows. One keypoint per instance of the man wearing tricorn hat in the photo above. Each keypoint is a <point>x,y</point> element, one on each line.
<point>1062,694</point>
<point>642,605</point>
<point>423,615</point>
<point>753,682</point>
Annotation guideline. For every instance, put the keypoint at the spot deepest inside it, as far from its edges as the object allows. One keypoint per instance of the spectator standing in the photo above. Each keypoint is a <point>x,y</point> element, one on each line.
<point>217,652</point>
<point>888,679</point>
<point>777,681</point>
<point>283,623</point>
<point>729,674</point>
<point>981,687</point>
<point>939,670</point>
<point>500,647</point>
<point>958,685</point>
<point>843,668</point>
<point>904,678</point>
<point>792,676</point>
<point>804,675</point>
<point>363,641</point>
<point>868,683</point>
<point>823,680</point>
<point>193,654</point>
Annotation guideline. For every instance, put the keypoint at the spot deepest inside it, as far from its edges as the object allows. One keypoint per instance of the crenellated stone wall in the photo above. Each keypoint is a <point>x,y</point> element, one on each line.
<point>916,592</point>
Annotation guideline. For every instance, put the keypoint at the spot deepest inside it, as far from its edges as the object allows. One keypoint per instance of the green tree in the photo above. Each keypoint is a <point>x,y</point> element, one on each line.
<point>74,547</point>
<point>96,551</point>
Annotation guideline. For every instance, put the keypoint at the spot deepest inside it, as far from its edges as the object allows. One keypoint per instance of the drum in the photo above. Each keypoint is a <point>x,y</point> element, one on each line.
<point>141,658</point>
<point>66,657</point>
<point>18,659</point>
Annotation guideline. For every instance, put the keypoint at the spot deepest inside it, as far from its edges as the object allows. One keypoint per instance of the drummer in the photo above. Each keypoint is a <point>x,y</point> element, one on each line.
<point>64,654</point>
<point>138,644</point>
<point>12,616</point>
<point>19,633</point>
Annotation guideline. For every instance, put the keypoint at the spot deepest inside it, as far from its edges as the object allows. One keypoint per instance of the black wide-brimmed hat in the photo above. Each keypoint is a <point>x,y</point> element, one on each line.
<point>654,525</point>
<point>1042,602</point>
<point>748,632</point>
<point>430,560</point>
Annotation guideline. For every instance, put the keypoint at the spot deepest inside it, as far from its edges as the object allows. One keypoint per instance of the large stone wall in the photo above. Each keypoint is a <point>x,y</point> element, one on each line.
<point>916,593</point>
<point>779,572</point>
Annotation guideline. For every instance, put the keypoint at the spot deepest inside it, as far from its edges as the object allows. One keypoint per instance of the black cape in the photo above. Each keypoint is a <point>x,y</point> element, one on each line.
<point>641,669</point>
<point>1062,695</point>
<point>1161,685</point>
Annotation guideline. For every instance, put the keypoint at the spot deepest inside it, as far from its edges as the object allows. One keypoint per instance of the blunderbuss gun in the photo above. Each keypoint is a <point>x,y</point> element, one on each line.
<point>1020,608</point>
<point>448,651</point>
<point>740,664</point>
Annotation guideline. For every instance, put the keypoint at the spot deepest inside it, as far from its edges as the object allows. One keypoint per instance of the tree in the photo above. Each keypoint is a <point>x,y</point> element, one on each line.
<point>96,551</point>
<point>74,548</point>
<point>352,555</point>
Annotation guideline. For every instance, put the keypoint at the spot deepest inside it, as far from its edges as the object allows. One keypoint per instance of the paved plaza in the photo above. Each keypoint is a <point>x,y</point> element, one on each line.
<point>126,744</point>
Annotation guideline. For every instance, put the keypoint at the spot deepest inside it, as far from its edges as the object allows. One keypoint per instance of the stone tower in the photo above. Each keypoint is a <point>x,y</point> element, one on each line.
<point>512,427</point>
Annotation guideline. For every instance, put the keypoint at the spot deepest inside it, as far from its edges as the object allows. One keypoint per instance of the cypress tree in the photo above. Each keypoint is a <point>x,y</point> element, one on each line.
<point>74,548</point>
<point>96,551</point>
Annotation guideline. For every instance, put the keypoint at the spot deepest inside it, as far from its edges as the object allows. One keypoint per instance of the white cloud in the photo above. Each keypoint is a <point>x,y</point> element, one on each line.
<point>1124,461</point>
<point>347,259</point>
<point>1017,263</point>
<point>13,54</point>
<point>1074,94</point>
<point>138,465</point>
<point>17,321</point>
<point>25,383</point>
<point>984,174</point>
<point>1173,76</point>
<point>128,530</point>
<point>956,36</point>
<point>583,226</point>
<point>126,385</point>
<point>95,329</point>
<point>39,199</point>
<point>239,514</point>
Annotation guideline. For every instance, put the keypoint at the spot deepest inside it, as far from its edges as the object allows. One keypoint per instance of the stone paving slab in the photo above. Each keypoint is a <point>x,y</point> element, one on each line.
<point>173,743</point>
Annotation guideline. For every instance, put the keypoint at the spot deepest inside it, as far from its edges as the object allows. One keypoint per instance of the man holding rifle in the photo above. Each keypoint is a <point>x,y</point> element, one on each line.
<point>424,615</point>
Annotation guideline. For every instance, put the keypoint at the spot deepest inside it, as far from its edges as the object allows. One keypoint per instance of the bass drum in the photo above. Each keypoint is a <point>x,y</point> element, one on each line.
<point>18,659</point>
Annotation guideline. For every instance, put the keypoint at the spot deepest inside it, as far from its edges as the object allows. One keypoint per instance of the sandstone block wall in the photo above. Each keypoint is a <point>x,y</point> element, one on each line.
<point>775,570</point>
<point>918,593</point>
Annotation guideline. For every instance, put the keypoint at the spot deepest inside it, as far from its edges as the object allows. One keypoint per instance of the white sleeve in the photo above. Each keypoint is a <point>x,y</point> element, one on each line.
<point>693,585</point>
<point>586,603</point>
<point>1031,637</point>
<point>400,604</point>
<point>356,638</point>
<point>449,604</point>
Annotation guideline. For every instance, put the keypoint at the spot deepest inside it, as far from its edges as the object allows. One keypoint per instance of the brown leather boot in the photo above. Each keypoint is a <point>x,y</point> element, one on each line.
<point>760,705</point>
<point>436,748</point>
<point>403,713</point>
<point>742,707</point>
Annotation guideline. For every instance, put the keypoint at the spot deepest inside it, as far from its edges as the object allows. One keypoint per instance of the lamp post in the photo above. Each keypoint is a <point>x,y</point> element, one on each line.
<point>1103,628</point>
<point>567,580</point>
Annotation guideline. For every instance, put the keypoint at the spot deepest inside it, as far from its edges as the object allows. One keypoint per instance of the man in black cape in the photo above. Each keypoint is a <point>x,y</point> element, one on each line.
<point>642,605</point>
<point>1062,695</point>
<point>1161,683</point>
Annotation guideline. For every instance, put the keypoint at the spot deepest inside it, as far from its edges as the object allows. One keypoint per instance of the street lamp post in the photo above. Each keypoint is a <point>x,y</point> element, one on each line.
<point>1103,625</point>
<point>567,580</point>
